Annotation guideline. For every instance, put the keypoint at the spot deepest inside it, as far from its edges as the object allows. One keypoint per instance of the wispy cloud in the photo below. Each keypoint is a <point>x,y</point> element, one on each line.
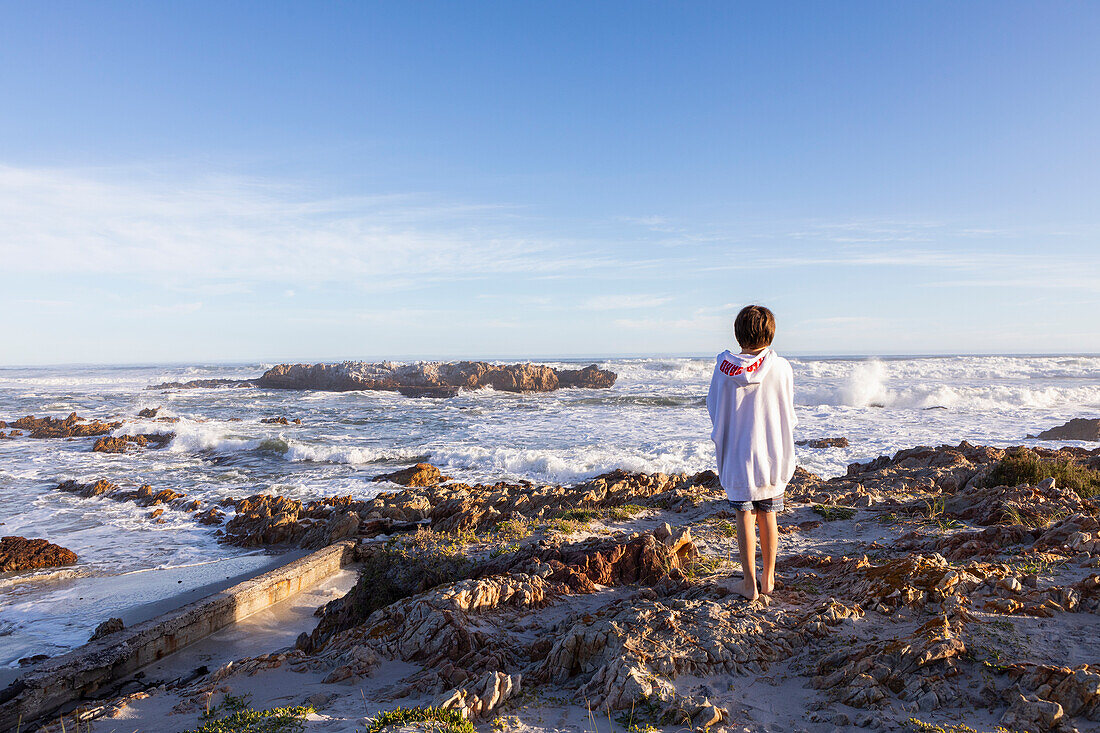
<point>237,229</point>
<point>623,302</point>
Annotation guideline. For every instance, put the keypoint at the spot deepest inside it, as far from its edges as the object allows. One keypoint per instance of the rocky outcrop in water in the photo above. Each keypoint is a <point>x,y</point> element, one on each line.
<point>19,554</point>
<point>1079,428</point>
<point>422,379</point>
<point>465,374</point>
<point>824,443</point>
<point>72,426</point>
<point>120,443</point>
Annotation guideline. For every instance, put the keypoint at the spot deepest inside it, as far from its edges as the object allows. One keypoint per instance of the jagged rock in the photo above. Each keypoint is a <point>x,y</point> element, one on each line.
<point>390,376</point>
<point>824,443</point>
<point>422,474</point>
<point>591,377</point>
<point>212,515</point>
<point>435,379</point>
<point>478,700</point>
<point>1079,428</point>
<point>72,426</point>
<point>118,444</point>
<point>1030,505</point>
<point>904,668</point>
<point>204,383</point>
<point>19,554</point>
<point>340,527</point>
<point>110,626</point>
<point>280,421</point>
<point>1033,714</point>
<point>148,412</point>
<point>1075,690</point>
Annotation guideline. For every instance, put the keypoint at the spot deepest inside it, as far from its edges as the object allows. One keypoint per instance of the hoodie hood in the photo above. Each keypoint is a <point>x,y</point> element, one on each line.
<point>746,369</point>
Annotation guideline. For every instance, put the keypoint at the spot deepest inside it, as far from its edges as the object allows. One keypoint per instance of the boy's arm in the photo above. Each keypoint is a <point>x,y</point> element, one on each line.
<point>712,396</point>
<point>790,394</point>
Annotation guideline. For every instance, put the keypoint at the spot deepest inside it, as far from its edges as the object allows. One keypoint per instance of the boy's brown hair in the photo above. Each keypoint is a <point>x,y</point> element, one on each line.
<point>754,327</point>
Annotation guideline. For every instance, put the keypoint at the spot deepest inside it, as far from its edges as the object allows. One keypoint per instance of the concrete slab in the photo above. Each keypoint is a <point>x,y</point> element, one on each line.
<point>96,665</point>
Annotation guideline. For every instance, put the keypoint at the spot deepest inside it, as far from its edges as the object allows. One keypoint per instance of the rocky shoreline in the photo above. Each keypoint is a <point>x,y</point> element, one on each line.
<point>422,379</point>
<point>934,587</point>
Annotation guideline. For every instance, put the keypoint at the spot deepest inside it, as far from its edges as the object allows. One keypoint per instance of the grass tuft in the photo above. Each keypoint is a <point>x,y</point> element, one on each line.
<point>452,720</point>
<point>1025,467</point>
<point>247,720</point>
<point>832,513</point>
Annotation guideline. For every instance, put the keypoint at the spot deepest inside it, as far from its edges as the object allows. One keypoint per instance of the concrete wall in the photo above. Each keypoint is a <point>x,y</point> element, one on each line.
<point>97,664</point>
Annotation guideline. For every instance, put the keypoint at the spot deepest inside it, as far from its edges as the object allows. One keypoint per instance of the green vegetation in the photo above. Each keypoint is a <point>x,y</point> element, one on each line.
<point>624,512</point>
<point>506,549</point>
<point>243,719</point>
<point>934,510</point>
<point>922,727</point>
<point>702,567</point>
<point>451,720</point>
<point>580,516</point>
<point>512,530</point>
<point>726,529</point>
<point>1022,466</point>
<point>832,513</point>
<point>1028,563</point>
<point>643,717</point>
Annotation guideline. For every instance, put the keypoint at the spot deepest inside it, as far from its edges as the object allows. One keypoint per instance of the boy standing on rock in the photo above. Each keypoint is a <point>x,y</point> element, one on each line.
<point>751,405</point>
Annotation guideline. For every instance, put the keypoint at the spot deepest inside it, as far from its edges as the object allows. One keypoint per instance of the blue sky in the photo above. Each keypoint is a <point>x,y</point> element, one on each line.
<point>308,181</point>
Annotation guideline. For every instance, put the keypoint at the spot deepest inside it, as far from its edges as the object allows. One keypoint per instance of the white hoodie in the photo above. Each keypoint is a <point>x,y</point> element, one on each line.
<point>751,405</point>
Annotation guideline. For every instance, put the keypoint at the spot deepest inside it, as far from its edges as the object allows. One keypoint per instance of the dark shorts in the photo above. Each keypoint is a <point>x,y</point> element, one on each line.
<point>774,504</point>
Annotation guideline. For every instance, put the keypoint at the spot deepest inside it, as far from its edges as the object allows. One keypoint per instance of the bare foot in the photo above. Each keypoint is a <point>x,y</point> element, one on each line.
<point>748,589</point>
<point>767,587</point>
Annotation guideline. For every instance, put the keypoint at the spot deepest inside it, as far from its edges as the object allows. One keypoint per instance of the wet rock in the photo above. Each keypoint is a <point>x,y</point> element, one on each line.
<point>72,426</point>
<point>110,626</point>
<point>1079,428</point>
<point>19,554</point>
<point>204,384</point>
<point>119,443</point>
<point>148,412</point>
<point>436,392</point>
<point>280,421</point>
<point>824,443</point>
<point>422,474</point>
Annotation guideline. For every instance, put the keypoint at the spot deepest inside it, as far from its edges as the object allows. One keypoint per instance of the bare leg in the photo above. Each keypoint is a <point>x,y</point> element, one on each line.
<point>746,540</point>
<point>769,542</point>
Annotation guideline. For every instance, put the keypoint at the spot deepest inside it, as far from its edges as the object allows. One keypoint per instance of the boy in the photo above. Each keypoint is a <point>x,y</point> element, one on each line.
<point>751,405</point>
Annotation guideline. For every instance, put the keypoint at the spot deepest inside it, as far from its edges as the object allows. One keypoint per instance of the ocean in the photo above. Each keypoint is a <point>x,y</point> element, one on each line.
<point>654,419</point>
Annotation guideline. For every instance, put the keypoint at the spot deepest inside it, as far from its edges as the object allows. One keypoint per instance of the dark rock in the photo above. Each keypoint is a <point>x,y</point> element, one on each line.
<point>1079,428</point>
<point>824,443</point>
<point>110,626</point>
<point>204,383</point>
<point>149,412</point>
<point>436,392</point>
